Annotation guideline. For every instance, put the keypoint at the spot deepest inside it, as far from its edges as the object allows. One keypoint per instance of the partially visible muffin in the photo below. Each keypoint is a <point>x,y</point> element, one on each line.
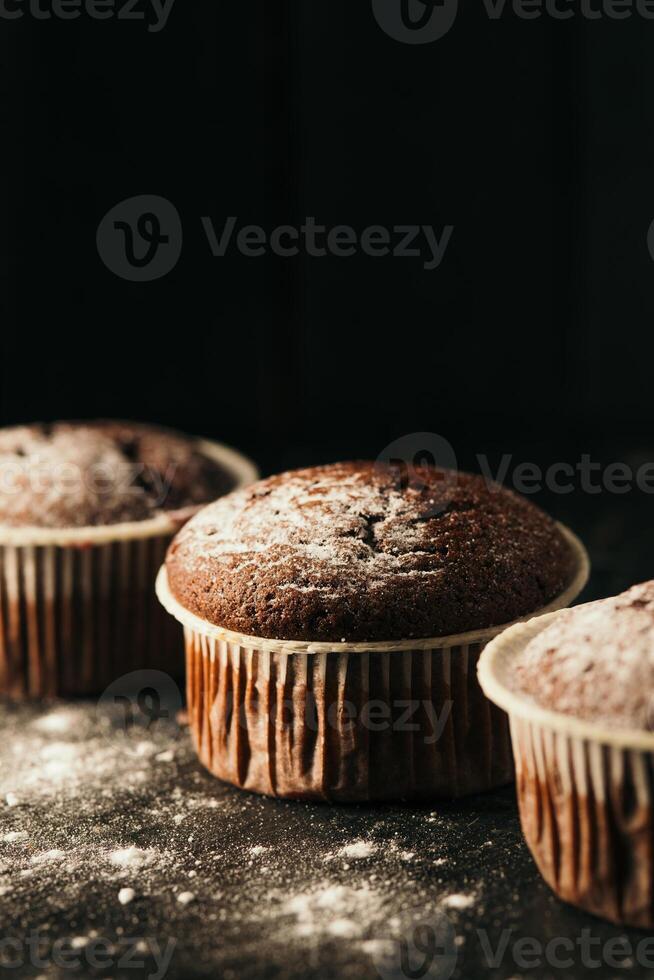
<point>87,510</point>
<point>579,689</point>
<point>98,473</point>
<point>596,661</point>
<point>351,551</point>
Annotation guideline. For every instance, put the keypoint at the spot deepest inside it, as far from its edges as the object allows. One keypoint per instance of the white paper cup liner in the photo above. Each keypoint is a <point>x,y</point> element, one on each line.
<point>585,793</point>
<point>346,722</point>
<point>77,606</point>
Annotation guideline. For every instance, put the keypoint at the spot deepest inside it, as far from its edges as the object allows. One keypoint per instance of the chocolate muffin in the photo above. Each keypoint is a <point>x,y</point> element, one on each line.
<point>578,686</point>
<point>99,473</point>
<point>86,512</point>
<point>342,586</point>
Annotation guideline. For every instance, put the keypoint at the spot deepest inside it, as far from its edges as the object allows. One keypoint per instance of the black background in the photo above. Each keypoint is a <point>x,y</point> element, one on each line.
<point>534,337</point>
<point>533,138</point>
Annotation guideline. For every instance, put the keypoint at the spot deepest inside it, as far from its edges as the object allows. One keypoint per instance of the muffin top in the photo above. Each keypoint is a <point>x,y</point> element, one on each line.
<point>596,661</point>
<point>71,474</point>
<point>355,552</point>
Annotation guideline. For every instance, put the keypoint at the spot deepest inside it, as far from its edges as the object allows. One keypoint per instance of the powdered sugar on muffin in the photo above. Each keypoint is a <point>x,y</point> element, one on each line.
<point>596,661</point>
<point>349,551</point>
<point>83,474</point>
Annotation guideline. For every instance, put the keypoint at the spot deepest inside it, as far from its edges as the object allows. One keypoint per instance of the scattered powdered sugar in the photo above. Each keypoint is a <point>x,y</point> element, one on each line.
<point>132,857</point>
<point>341,516</point>
<point>345,928</point>
<point>54,854</point>
<point>334,909</point>
<point>64,751</point>
<point>110,842</point>
<point>80,474</point>
<point>458,901</point>
<point>376,948</point>
<point>595,661</point>
<point>54,722</point>
<point>358,849</point>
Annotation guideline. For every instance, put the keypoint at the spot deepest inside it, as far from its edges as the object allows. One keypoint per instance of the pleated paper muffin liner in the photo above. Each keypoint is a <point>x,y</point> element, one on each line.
<point>77,607</point>
<point>585,792</point>
<point>346,722</point>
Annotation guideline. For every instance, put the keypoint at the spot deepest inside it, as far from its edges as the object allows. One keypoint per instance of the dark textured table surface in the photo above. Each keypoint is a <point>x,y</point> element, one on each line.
<point>122,857</point>
<point>225,884</point>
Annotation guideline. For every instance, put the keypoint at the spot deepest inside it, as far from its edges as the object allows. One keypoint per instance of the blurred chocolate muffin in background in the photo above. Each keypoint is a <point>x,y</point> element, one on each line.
<point>86,512</point>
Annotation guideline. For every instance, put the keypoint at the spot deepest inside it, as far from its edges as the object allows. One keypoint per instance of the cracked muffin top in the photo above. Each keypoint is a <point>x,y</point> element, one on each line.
<point>355,552</point>
<point>84,474</point>
<point>596,661</point>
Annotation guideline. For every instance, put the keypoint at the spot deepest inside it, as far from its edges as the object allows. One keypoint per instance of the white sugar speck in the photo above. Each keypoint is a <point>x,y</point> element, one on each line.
<point>126,895</point>
<point>359,849</point>
<point>459,901</point>
<point>185,897</point>
<point>343,927</point>
<point>46,856</point>
<point>56,723</point>
<point>131,857</point>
